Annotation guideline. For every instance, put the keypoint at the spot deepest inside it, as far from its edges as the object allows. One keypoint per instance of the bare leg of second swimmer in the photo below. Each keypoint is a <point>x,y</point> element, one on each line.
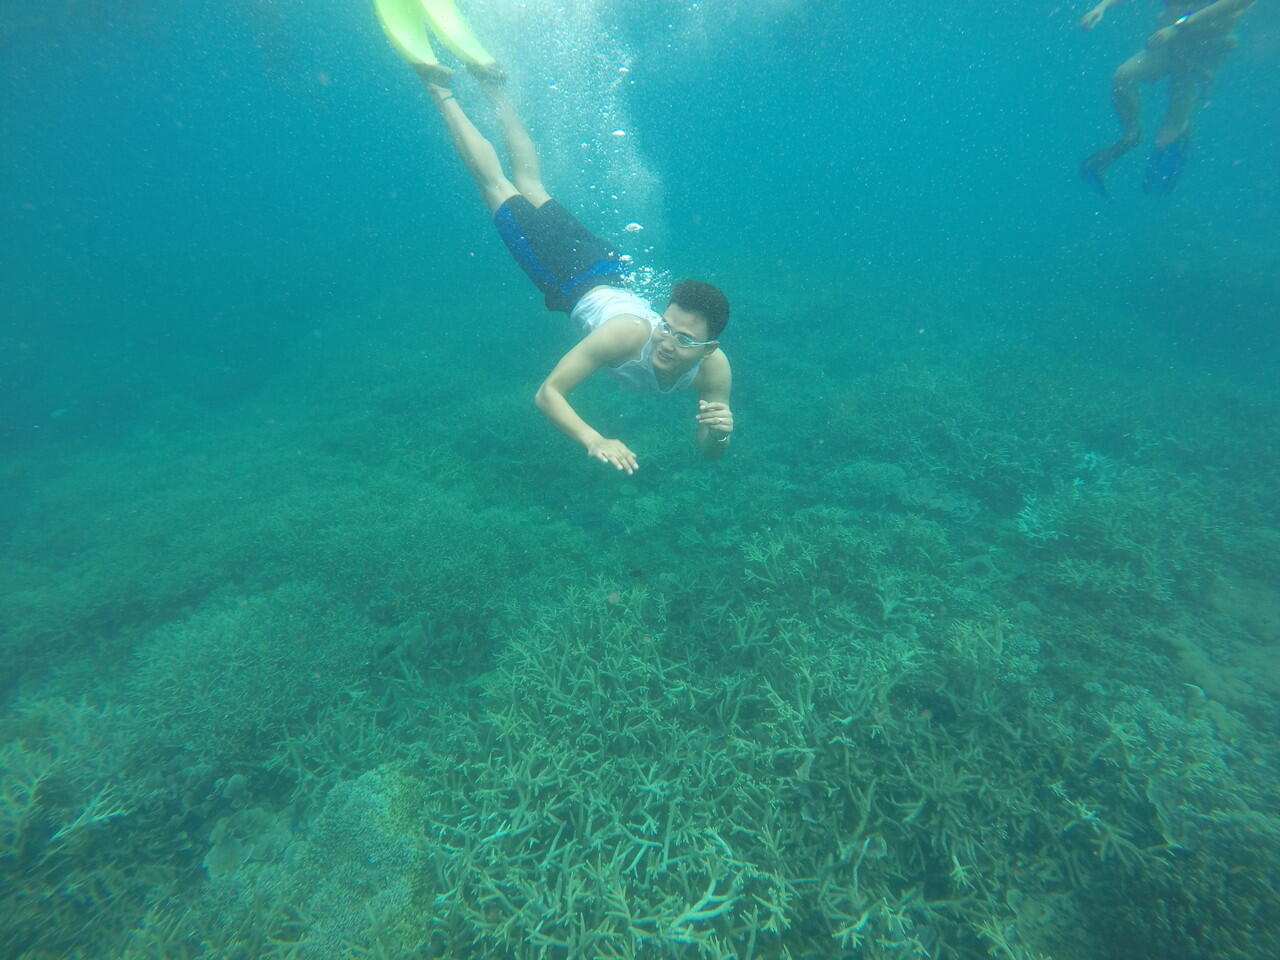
<point>1126,98</point>
<point>1184,97</point>
<point>1170,154</point>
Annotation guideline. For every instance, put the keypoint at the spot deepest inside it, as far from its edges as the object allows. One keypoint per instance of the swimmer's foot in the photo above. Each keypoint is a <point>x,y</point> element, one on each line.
<point>489,73</point>
<point>435,74</point>
<point>1093,171</point>
<point>1165,166</point>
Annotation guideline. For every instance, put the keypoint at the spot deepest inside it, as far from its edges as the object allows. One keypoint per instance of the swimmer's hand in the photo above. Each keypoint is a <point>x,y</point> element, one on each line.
<point>717,418</point>
<point>1093,17</point>
<point>615,452</point>
<point>1161,37</point>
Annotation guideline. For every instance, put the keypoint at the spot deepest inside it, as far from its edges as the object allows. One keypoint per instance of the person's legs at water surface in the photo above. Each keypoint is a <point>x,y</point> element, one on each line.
<point>1170,152</point>
<point>1186,48</point>
<point>1145,66</point>
<point>1196,61</point>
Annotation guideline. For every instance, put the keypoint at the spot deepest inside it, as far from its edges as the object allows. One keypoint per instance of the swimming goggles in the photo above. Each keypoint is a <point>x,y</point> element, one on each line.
<point>683,340</point>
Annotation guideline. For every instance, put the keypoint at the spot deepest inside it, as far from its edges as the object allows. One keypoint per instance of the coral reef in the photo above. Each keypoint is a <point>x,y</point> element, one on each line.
<point>957,684</point>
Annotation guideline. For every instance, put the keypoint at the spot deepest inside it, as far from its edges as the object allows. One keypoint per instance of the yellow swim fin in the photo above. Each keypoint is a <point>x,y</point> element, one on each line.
<point>454,32</point>
<point>404,23</point>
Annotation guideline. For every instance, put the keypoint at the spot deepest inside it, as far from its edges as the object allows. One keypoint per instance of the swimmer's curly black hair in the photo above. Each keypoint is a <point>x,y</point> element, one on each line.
<point>703,299</point>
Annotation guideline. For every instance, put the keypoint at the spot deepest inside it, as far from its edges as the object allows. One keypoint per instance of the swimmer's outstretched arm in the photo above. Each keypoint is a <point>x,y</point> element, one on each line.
<point>608,344</point>
<point>1094,16</point>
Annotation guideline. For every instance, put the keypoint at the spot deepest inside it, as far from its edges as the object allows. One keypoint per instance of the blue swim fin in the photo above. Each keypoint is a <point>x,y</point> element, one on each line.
<point>1165,166</point>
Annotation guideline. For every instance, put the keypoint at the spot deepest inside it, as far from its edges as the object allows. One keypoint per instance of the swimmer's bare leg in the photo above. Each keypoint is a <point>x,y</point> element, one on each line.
<point>526,169</point>
<point>1185,95</point>
<point>1191,77</point>
<point>475,151</point>
<point>1186,91</point>
<point>1126,99</point>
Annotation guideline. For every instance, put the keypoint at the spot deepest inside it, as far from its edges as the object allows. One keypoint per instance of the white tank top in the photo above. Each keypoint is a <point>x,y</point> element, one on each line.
<point>637,374</point>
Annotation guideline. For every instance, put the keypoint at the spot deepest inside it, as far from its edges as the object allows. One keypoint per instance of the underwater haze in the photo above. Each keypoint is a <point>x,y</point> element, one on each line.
<point>317,640</point>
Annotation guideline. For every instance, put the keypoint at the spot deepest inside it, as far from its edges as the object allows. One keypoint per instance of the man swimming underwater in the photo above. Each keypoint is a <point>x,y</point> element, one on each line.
<point>1192,39</point>
<point>576,271</point>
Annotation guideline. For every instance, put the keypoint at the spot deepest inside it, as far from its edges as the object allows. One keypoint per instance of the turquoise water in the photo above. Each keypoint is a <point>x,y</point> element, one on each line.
<point>319,641</point>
